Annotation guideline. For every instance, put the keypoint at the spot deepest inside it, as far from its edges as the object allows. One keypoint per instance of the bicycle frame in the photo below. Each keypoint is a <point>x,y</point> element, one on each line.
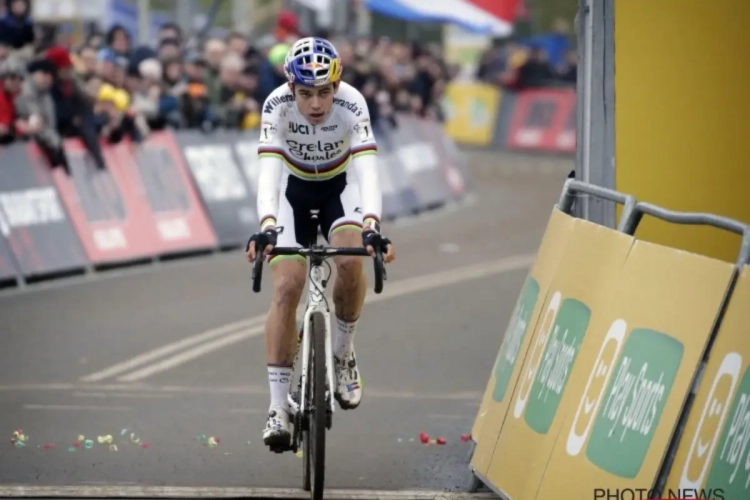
<point>316,303</point>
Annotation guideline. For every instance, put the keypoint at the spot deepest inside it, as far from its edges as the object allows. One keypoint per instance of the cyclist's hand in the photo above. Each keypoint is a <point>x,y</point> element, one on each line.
<point>265,240</point>
<point>371,240</point>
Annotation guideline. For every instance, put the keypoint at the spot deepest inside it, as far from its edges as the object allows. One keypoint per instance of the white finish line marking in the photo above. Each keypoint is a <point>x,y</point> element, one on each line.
<point>187,493</point>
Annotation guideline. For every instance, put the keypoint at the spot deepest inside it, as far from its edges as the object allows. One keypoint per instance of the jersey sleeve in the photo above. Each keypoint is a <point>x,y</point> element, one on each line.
<point>365,161</point>
<point>271,163</point>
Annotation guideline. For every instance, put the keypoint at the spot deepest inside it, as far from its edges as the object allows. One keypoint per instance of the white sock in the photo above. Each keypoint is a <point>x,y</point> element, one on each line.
<point>279,379</point>
<point>344,337</point>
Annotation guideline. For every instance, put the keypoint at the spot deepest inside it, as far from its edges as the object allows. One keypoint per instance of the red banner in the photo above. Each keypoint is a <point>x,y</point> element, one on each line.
<point>541,120</point>
<point>159,178</point>
<point>106,213</point>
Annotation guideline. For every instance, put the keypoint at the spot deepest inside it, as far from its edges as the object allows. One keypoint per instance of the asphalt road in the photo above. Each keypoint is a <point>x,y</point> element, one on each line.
<point>146,358</point>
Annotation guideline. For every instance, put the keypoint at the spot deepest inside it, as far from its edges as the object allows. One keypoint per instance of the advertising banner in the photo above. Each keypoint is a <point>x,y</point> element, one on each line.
<point>471,110</point>
<point>516,339</point>
<point>566,134</point>
<point>538,116</point>
<point>8,271</point>
<point>629,385</point>
<point>713,457</point>
<point>33,220</point>
<point>108,217</point>
<point>164,184</point>
<point>585,279</point>
<point>229,200</point>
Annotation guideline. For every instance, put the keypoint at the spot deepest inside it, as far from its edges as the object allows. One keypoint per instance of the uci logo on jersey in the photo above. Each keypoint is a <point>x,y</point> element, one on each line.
<point>296,128</point>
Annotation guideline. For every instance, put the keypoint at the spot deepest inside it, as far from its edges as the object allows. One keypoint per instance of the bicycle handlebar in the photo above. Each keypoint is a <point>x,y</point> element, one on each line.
<point>323,252</point>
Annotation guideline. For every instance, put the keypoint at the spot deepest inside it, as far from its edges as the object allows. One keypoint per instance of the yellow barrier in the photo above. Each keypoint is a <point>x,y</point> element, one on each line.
<point>515,342</point>
<point>585,279</point>
<point>472,112</point>
<point>633,376</point>
<point>714,454</point>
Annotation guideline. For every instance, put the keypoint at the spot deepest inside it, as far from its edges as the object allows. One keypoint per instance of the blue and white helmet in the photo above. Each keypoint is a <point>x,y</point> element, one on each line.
<point>312,62</point>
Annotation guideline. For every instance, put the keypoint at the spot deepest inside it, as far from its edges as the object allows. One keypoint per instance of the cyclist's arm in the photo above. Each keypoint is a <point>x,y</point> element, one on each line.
<point>365,163</point>
<point>271,168</point>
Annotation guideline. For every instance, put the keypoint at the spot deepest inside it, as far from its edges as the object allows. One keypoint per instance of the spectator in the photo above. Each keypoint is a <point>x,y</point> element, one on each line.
<point>237,44</point>
<point>234,104</point>
<point>171,31</point>
<point>16,28</point>
<point>145,95</point>
<point>11,79</point>
<point>271,71</point>
<point>85,62</point>
<point>36,112</point>
<point>118,39</point>
<point>169,49</point>
<point>73,107</point>
<point>287,27</point>
<point>536,71</point>
<point>213,53</point>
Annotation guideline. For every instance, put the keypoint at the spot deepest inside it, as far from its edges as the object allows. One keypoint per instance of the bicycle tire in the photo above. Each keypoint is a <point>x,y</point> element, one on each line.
<point>317,423</point>
<point>304,422</point>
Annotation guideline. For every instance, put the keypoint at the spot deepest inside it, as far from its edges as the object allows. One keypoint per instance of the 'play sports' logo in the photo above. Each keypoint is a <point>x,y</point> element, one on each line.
<point>730,466</point>
<point>624,398</point>
<point>713,417</point>
<point>552,356</point>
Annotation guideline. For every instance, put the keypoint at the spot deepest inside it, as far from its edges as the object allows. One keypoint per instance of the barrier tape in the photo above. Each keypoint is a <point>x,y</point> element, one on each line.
<point>179,192</point>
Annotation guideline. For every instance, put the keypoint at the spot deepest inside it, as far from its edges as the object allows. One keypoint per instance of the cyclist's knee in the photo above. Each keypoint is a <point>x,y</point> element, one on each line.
<point>349,268</point>
<point>288,282</point>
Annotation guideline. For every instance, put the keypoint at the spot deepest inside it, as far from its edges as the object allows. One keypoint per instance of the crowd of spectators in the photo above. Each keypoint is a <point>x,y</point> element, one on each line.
<point>109,88</point>
<point>547,60</point>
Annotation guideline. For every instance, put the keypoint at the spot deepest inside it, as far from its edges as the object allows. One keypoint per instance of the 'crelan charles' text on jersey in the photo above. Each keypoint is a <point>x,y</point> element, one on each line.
<point>316,152</point>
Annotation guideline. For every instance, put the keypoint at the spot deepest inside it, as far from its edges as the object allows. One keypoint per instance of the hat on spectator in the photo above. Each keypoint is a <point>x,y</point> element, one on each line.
<point>278,53</point>
<point>60,57</point>
<point>286,25</point>
<point>42,65</point>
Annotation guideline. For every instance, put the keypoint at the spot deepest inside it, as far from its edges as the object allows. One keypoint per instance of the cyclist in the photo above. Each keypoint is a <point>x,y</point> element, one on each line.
<point>317,151</point>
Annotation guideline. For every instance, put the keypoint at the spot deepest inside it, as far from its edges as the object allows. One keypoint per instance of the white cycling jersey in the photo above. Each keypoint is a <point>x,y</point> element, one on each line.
<point>290,145</point>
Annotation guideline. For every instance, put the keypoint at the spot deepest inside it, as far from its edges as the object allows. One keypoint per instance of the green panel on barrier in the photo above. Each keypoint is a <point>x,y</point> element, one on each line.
<point>634,402</point>
<point>586,276</point>
<point>681,134</point>
<point>517,329</point>
<point>559,355</point>
<point>714,453</point>
<point>515,342</point>
<point>634,373</point>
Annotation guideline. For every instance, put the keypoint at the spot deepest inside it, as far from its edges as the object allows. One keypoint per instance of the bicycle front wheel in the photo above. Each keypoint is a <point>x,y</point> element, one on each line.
<point>314,452</point>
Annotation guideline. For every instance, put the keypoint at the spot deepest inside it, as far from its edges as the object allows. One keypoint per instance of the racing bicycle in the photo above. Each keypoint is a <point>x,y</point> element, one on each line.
<point>312,405</point>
